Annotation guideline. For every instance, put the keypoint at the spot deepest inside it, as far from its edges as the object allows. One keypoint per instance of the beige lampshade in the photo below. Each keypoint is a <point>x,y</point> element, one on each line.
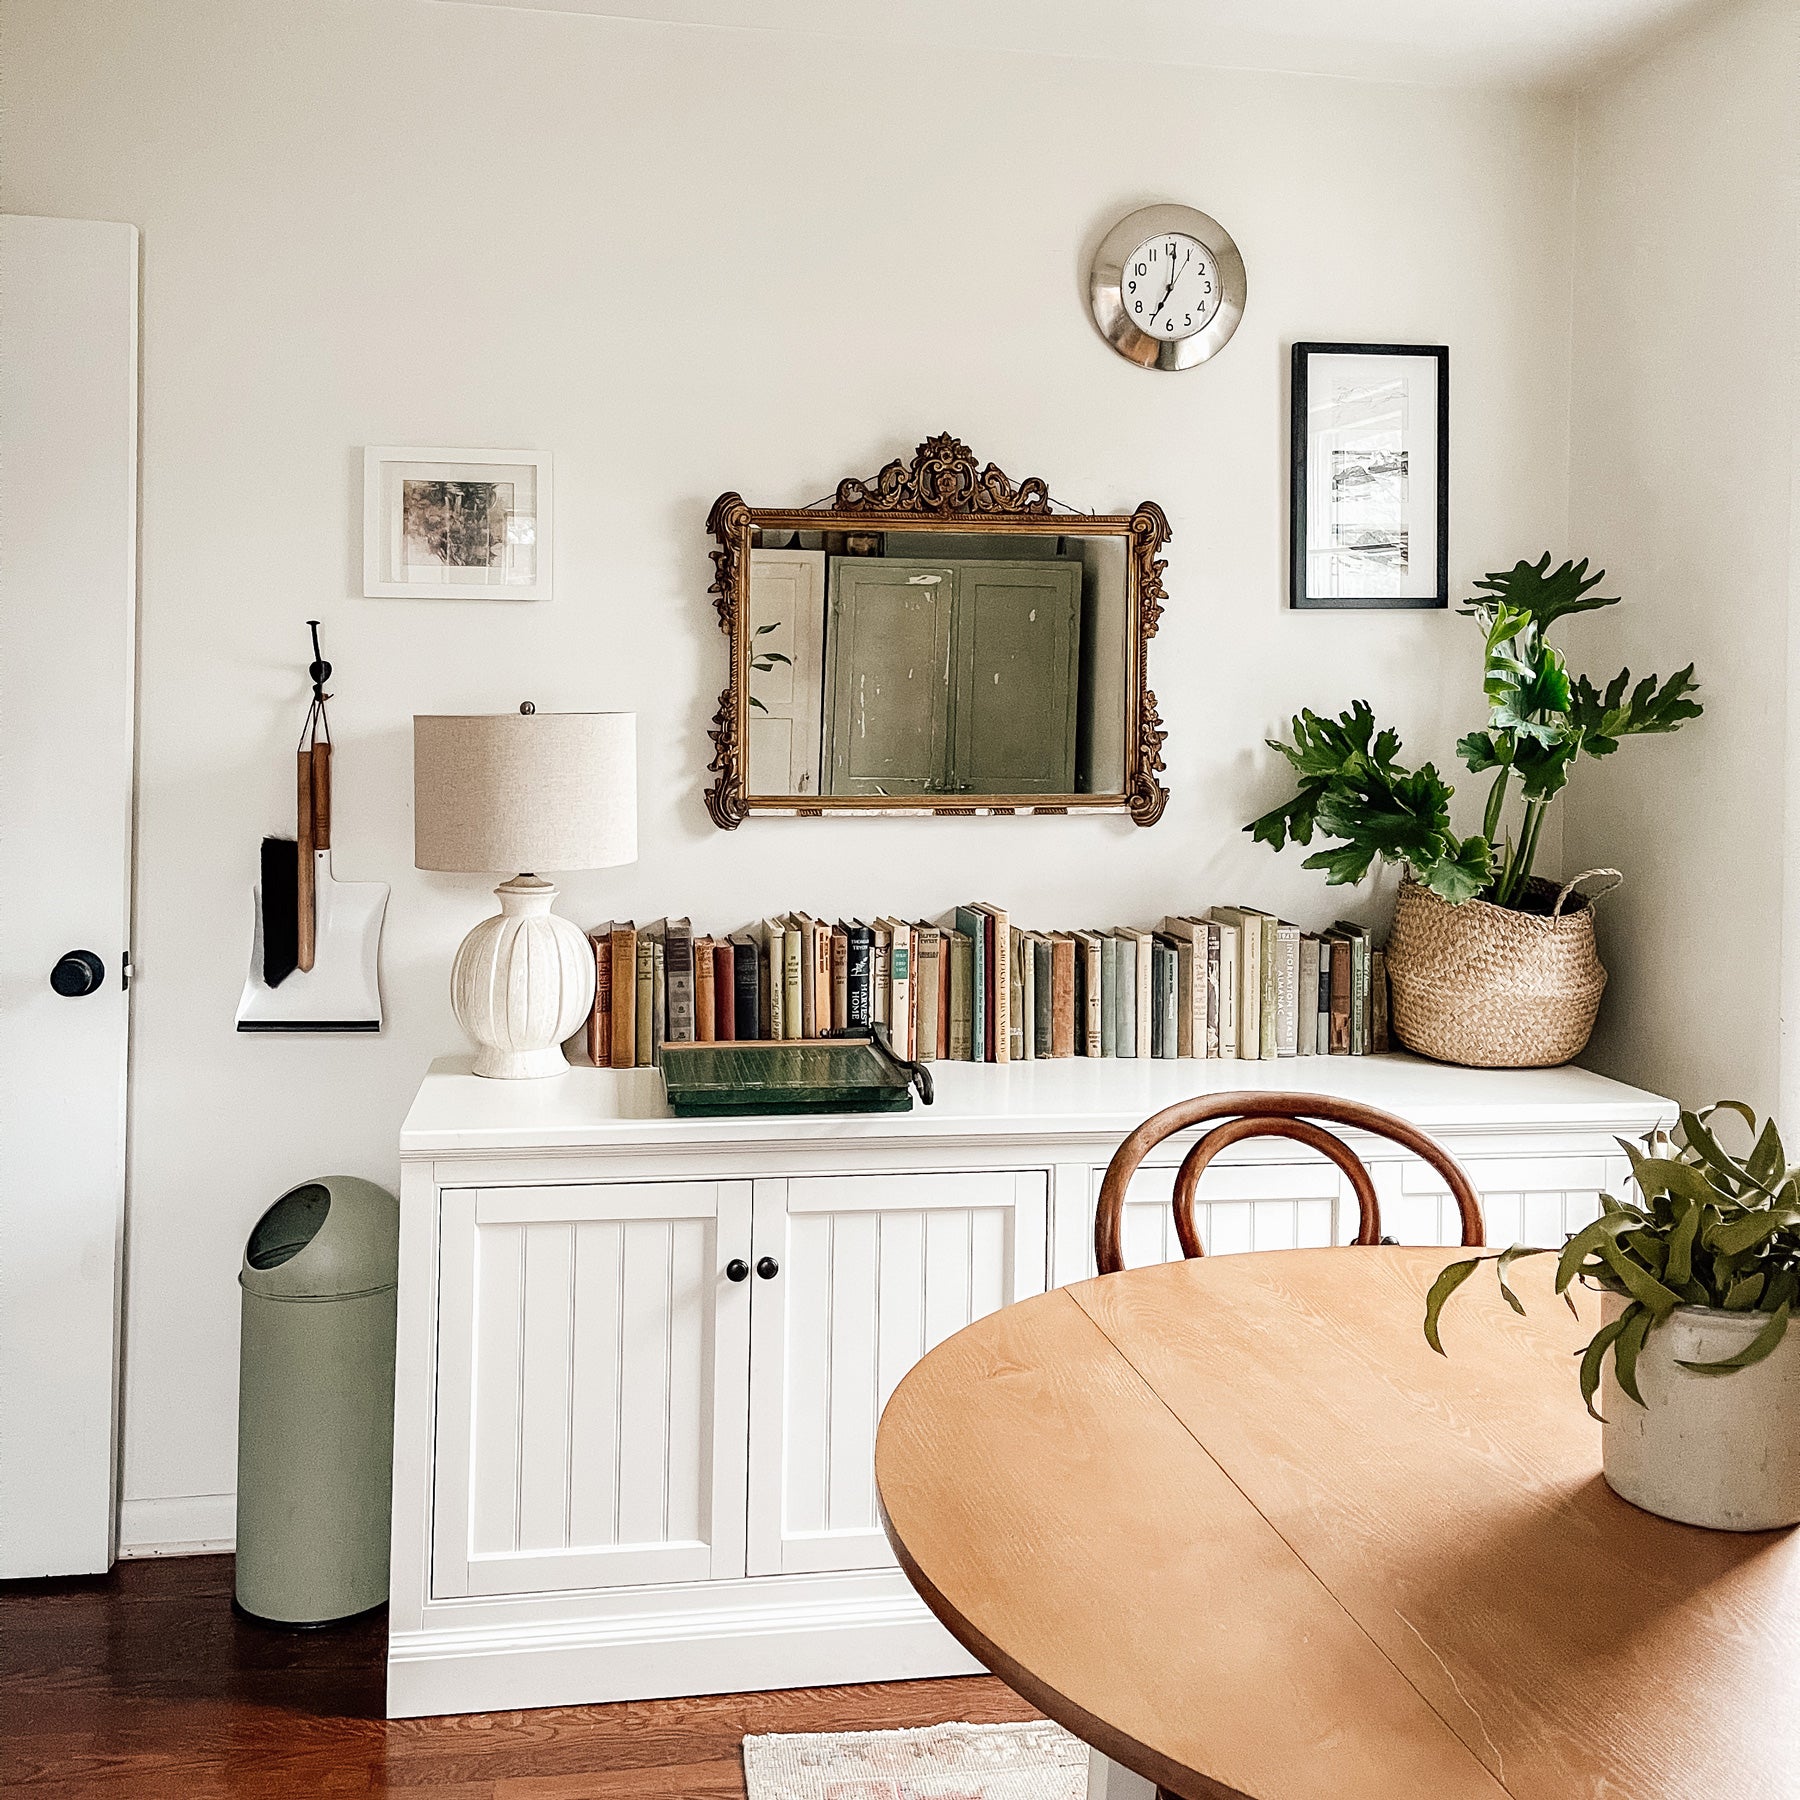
<point>517,793</point>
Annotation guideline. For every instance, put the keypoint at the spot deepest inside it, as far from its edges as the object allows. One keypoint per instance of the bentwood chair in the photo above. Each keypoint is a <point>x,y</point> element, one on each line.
<point>1253,1115</point>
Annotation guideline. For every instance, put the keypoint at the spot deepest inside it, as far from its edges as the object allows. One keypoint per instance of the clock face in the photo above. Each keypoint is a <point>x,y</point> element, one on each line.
<point>1170,287</point>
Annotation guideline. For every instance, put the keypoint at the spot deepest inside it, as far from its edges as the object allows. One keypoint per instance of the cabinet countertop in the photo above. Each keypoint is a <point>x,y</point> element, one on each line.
<point>1077,1097</point>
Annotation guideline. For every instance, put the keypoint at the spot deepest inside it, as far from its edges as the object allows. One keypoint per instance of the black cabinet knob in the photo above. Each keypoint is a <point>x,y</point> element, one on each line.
<point>737,1270</point>
<point>76,973</point>
<point>768,1268</point>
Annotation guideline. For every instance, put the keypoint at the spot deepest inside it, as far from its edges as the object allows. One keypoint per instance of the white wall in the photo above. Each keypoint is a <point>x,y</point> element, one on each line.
<point>688,260</point>
<point>1683,417</point>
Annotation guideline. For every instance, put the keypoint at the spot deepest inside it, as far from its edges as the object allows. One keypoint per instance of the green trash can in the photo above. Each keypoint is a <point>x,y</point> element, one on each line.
<point>316,1403</point>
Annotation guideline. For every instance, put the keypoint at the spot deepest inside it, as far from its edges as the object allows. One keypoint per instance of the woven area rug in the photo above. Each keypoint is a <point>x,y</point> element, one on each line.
<point>1039,1761</point>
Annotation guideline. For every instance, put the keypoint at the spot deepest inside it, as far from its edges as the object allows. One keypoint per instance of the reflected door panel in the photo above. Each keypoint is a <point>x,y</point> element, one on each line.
<point>1018,640</point>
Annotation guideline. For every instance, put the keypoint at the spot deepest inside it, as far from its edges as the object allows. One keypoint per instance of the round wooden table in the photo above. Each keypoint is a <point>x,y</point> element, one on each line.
<point>1232,1522</point>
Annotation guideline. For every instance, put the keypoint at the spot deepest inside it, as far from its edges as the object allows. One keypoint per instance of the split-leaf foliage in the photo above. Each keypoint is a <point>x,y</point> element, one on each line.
<point>1353,788</point>
<point>1707,1229</point>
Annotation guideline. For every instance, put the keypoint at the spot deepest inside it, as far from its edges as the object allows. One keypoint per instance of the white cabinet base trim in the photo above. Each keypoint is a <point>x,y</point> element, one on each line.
<point>715,1649</point>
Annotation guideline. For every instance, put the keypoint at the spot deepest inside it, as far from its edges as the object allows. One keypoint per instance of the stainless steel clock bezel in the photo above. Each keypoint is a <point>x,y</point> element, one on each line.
<point>1105,290</point>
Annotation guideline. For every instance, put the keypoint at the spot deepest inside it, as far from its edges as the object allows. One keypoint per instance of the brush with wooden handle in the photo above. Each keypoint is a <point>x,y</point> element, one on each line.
<point>307,917</point>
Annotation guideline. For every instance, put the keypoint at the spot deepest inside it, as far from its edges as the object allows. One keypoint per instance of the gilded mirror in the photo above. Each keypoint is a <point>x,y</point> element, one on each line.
<point>936,638</point>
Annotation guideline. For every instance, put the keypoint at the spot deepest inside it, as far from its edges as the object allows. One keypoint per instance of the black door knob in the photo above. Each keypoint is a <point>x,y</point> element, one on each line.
<point>768,1268</point>
<point>76,973</point>
<point>737,1270</point>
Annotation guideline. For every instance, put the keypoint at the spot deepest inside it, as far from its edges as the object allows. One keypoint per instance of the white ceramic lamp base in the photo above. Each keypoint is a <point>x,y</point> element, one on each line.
<point>523,982</point>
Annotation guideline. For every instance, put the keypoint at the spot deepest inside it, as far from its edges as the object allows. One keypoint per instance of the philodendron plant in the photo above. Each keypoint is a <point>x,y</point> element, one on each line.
<point>1708,1229</point>
<point>1540,720</point>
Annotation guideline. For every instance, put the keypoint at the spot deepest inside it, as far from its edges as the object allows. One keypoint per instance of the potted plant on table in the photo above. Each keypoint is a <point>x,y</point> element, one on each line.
<point>1698,1374</point>
<point>1489,964</point>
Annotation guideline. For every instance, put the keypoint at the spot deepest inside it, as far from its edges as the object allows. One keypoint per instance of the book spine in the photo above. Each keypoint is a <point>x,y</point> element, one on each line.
<point>1359,1021</point>
<point>999,985</point>
<point>1306,1005</point>
<point>900,990</point>
<point>706,1009</point>
<point>678,964</point>
<point>881,973</point>
<point>974,926</point>
<point>1270,1014</point>
<point>1249,989</point>
<point>1126,1032</point>
<point>822,979</point>
<point>1341,985</point>
<point>962,998</point>
<point>859,976</point>
<point>793,1016</point>
<point>1146,991</point>
<point>1214,991</point>
<point>774,985</point>
<point>1018,1030</point>
<point>1231,991</point>
<point>1063,952</point>
<point>624,996</point>
<point>1109,996</point>
<point>929,946</point>
<point>1287,990</point>
<point>1322,1001</point>
<point>646,995</point>
<point>1184,999</point>
<point>1043,997</point>
<point>840,980</point>
<point>724,990</point>
<point>600,1018</point>
<point>1379,1041</point>
<point>659,1000</point>
<point>746,987</point>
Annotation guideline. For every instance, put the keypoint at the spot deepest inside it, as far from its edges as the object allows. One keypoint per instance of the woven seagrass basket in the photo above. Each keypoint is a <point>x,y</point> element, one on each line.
<point>1492,987</point>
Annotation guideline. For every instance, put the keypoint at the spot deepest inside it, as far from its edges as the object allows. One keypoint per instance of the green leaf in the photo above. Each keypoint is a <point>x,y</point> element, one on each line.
<point>1705,1146</point>
<point>1767,1162</point>
<point>1753,1352</point>
<point>1543,597</point>
<point>1503,1264</point>
<point>1595,1354</point>
<point>1453,1276</point>
<point>1680,1266</point>
<point>1587,1241</point>
<point>1482,750</point>
<point>1626,1348</point>
<point>1638,1281</point>
<point>1744,1293</point>
<point>1752,1230</point>
<point>764,630</point>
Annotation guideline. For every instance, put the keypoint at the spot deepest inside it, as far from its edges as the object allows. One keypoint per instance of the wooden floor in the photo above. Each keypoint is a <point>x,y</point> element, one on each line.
<point>143,1683</point>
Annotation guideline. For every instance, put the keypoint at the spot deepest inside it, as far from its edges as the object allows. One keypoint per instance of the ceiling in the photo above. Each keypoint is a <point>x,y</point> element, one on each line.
<point>1551,43</point>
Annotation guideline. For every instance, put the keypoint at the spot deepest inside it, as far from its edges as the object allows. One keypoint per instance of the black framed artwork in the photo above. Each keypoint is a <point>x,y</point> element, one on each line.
<point>1371,476</point>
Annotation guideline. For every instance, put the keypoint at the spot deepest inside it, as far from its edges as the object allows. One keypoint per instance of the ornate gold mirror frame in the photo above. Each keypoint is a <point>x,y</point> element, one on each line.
<point>941,487</point>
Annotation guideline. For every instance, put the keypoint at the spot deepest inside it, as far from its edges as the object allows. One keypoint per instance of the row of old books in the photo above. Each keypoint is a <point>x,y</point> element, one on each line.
<point>1235,982</point>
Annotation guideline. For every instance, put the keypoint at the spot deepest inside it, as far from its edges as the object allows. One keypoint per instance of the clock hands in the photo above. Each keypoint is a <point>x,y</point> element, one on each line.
<point>1173,279</point>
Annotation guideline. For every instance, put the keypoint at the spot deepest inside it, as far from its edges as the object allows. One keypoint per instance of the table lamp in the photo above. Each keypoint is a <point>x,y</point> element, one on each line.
<point>524,791</point>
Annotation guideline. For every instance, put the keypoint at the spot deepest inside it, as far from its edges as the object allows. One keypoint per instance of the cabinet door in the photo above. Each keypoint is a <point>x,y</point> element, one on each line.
<point>887,699</point>
<point>592,1377</point>
<point>1018,638</point>
<point>874,1271</point>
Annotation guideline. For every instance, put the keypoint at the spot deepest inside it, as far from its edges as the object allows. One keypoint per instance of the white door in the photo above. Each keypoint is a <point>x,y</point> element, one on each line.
<point>68,578</point>
<point>592,1375</point>
<point>857,1276</point>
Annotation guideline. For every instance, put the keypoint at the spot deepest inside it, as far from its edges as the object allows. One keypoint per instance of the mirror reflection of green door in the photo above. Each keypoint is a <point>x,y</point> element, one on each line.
<point>1018,639</point>
<point>888,691</point>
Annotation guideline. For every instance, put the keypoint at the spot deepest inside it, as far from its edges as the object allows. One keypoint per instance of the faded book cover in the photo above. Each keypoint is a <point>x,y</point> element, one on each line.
<point>599,1041</point>
<point>623,1049</point>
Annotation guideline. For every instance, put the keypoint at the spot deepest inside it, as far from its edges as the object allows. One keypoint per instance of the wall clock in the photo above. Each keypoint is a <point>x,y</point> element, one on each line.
<point>1167,287</point>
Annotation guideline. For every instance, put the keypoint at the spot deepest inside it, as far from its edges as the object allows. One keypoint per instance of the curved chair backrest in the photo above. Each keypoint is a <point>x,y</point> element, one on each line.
<point>1253,1115</point>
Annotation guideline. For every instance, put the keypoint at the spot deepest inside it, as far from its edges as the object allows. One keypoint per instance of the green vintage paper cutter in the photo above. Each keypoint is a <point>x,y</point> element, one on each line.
<point>850,1074</point>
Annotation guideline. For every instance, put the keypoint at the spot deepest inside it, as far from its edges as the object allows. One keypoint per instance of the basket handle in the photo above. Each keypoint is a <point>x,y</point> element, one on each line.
<point>1575,881</point>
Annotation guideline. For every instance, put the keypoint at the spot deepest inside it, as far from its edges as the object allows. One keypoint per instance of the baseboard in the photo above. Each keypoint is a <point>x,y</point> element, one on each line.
<point>178,1525</point>
<point>711,1650</point>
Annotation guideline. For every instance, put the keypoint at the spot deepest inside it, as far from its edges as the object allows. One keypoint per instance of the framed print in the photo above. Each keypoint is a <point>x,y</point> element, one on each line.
<point>456,524</point>
<point>1371,475</point>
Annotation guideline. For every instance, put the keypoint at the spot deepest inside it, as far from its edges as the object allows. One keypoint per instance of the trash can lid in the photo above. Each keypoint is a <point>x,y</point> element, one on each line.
<point>325,1239</point>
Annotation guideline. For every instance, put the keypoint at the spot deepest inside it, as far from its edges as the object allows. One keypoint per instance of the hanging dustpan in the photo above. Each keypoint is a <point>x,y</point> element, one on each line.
<point>314,960</point>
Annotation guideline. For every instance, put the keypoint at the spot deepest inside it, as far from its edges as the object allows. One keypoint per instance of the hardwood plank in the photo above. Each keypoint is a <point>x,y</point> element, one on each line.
<point>1579,1647</point>
<point>144,1686</point>
<point>1063,1524</point>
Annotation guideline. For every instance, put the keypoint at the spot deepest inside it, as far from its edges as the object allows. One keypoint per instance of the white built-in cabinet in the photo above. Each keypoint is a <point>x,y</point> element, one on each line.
<point>641,1361</point>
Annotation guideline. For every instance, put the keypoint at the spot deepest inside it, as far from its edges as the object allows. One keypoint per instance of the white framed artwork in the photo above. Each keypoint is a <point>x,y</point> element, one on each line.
<point>1371,475</point>
<point>456,524</point>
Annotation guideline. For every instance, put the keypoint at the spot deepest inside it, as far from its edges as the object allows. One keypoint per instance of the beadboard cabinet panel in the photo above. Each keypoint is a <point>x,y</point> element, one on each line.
<point>1019,632</point>
<point>875,1270</point>
<point>587,1398</point>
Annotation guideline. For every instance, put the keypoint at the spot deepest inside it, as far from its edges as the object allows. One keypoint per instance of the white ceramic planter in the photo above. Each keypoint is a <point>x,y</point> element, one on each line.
<point>1715,1450</point>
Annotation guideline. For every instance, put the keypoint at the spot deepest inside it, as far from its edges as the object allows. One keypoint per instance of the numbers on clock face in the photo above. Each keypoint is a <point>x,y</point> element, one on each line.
<point>1170,286</point>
